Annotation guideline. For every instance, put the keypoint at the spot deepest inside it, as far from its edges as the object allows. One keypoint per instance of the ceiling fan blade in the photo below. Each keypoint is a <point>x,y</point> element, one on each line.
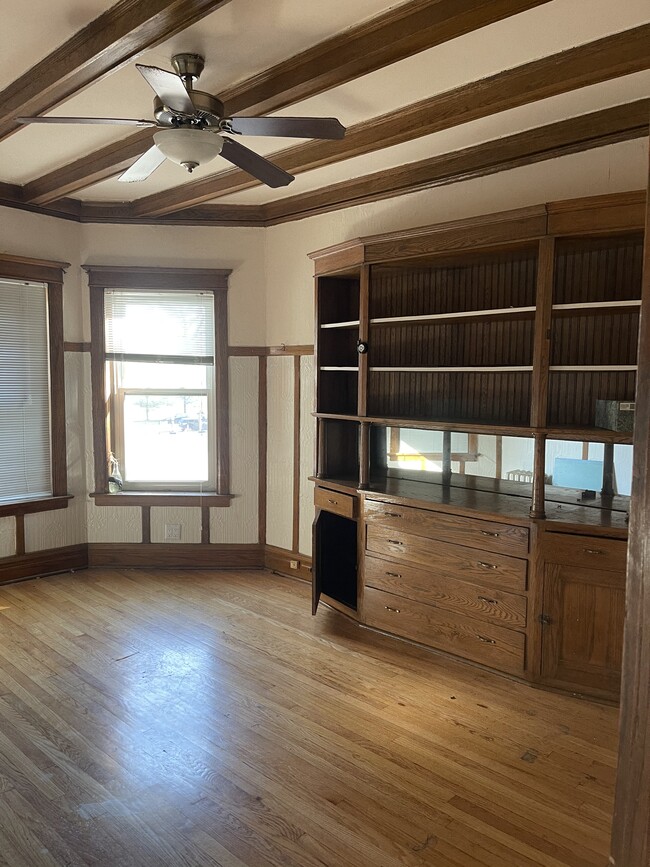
<point>168,87</point>
<point>297,127</point>
<point>125,121</point>
<point>143,166</point>
<point>254,164</point>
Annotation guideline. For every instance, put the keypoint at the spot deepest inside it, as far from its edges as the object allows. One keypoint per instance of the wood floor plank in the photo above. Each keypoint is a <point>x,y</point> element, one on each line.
<point>204,718</point>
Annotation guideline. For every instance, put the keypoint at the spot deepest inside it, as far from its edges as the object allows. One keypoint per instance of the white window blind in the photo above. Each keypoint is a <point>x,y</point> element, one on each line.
<point>25,445</point>
<point>174,325</point>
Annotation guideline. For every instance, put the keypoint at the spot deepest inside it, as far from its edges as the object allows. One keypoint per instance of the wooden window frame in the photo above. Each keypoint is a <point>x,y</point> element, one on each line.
<point>102,278</point>
<point>50,273</point>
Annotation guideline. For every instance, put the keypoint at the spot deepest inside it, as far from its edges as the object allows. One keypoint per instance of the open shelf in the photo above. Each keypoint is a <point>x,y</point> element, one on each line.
<point>461,315</point>
<point>523,369</point>
<point>353,323</point>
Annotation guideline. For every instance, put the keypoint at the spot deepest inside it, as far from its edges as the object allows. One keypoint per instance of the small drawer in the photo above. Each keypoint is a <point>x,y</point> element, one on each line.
<point>334,501</point>
<point>494,646</point>
<point>436,588</point>
<point>453,561</point>
<point>586,551</point>
<point>473,532</point>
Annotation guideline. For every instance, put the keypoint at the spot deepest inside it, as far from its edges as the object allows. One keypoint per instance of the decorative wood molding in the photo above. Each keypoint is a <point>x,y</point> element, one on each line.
<point>30,507</point>
<point>593,214</point>
<point>117,37</point>
<point>279,560</point>
<point>386,39</point>
<point>145,515</point>
<point>39,270</point>
<point>610,57</point>
<point>127,277</point>
<point>163,555</point>
<point>37,564</point>
<point>20,534</point>
<point>298,349</point>
<point>76,347</point>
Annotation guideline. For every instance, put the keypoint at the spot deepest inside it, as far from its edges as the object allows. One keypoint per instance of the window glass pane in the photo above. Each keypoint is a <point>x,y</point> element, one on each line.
<point>24,392</point>
<point>166,438</point>
<point>579,467</point>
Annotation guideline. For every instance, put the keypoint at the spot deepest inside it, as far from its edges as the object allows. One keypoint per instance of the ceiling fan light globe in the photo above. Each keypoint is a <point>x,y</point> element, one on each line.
<point>188,147</point>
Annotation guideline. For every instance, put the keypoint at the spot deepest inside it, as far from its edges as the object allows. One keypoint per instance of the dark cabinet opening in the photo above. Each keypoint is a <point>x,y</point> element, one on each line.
<point>335,559</point>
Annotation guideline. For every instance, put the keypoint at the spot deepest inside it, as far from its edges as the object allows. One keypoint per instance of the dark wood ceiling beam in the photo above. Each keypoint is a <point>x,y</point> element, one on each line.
<point>399,33</point>
<point>393,36</point>
<point>115,38</point>
<point>607,58</point>
<point>596,129</point>
<point>105,163</point>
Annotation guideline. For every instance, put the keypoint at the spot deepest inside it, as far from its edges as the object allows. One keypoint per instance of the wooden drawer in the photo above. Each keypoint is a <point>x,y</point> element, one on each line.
<point>589,552</point>
<point>494,646</point>
<point>473,532</point>
<point>454,561</point>
<point>437,588</point>
<point>334,501</point>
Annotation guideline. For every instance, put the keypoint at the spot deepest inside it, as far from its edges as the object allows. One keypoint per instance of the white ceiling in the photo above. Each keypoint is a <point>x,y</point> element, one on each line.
<point>245,37</point>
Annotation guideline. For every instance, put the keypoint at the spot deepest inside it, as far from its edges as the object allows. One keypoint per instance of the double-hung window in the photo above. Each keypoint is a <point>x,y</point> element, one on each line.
<point>160,361</point>
<point>32,404</point>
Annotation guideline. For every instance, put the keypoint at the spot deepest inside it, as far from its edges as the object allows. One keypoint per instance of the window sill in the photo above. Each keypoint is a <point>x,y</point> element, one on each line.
<point>28,507</point>
<point>162,498</point>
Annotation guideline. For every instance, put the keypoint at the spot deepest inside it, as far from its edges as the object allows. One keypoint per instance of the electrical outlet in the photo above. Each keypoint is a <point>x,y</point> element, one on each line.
<point>294,563</point>
<point>172,532</point>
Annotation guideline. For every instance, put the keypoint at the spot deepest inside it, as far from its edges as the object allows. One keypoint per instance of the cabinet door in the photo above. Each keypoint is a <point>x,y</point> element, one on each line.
<point>334,567</point>
<point>582,633</point>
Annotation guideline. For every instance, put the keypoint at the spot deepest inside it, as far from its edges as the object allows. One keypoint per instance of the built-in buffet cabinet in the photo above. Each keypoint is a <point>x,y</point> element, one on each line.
<point>474,405</point>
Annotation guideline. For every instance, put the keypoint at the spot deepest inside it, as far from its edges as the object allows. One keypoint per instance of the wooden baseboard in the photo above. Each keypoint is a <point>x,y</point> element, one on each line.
<point>165,555</point>
<point>48,562</point>
<point>279,560</point>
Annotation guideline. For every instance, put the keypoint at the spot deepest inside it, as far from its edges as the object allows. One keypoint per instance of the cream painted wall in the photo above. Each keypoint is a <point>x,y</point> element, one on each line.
<point>289,304</point>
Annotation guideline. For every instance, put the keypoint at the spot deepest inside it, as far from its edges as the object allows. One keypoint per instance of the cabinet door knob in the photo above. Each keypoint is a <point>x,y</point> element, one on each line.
<point>488,600</point>
<point>593,551</point>
<point>392,515</point>
<point>394,610</point>
<point>487,533</point>
<point>485,565</point>
<point>393,574</point>
<point>330,500</point>
<point>486,640</point>
<point>394,541</point>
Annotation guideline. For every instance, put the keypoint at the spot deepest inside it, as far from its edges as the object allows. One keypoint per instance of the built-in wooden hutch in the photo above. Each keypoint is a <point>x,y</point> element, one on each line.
<point>466,498</point>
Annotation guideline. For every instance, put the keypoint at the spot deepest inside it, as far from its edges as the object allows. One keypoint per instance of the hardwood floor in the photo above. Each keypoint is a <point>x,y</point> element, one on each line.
<point>204,718</point>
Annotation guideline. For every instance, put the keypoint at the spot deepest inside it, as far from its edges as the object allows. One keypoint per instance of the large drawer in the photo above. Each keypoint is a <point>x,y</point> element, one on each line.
<point>589,552</point>
<point>494,646</point>
<point>473,532</point>
<point>436,588</point>
<point>455,561</point>
<point>334,501</point>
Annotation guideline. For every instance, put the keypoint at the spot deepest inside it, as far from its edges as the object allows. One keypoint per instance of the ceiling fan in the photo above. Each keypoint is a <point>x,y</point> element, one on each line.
<point>191,126</point>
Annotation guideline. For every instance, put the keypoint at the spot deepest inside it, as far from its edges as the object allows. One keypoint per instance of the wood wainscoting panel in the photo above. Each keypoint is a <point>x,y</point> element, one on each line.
<point>40,563</point>
<point>175,555</point>
<point>280,560</point>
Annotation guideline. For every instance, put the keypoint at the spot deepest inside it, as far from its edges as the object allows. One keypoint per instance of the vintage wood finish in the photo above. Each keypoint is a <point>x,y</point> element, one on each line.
<point>97,381</point>
<point>295,534</point>
<point>175,555</point>
<point>205,525</point>
<point>434,587</point>
<point>279,560</point>
<point>441,558</point>
<point>20,534</point>
<point>406,767</point>
<point>631,827</point>
<point>363,337</point>
<point>383,40</point>
<point>538,499</point>
<point>221,392</point>
<point>462,636</point>
<point>471,532</point>
<point>262,446</point>
<point>582,631</point>
<point>57,388</point>
<point>40,563</point>
<point>69,346</point>
<point>584,551</point>
<point>622,212</point>
<point>610,57</point>
<point>160,498</point>
<point>146,524</point>
<point>30,507</point>
<point>117,37</point>
<point>596,129</point>
<point>332,501</point>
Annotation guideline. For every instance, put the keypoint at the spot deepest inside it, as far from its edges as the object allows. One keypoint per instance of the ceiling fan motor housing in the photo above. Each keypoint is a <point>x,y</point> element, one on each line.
<point>209,111</point>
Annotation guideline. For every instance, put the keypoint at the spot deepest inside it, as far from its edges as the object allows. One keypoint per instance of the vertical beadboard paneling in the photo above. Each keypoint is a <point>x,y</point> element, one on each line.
<point>238,523</point>
<point>188,518</point>
<point>307,445</point>
<point>279,509</point>
<point>7,537</point>
<point>63,527</point>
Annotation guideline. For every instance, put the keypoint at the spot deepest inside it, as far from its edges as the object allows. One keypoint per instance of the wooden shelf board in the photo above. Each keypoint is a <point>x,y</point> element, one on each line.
<point>466,315</point>
<point>591,368</point>
<point>352,323</point>
<point>341,369</point>
<point>522,369</point>
<point>595,307</point>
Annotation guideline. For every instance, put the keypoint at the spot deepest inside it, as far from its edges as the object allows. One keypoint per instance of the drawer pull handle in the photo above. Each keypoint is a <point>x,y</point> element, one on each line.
<point>486,640</point>
<point>488,600</point>
<point>485,565</point>
<point>394,610</point>
<point>593,551</point>
<point>330,500</point>
<point>394,541</point>
<point>392,515</point>
<point>393,574</point>
<point>487,533</point>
